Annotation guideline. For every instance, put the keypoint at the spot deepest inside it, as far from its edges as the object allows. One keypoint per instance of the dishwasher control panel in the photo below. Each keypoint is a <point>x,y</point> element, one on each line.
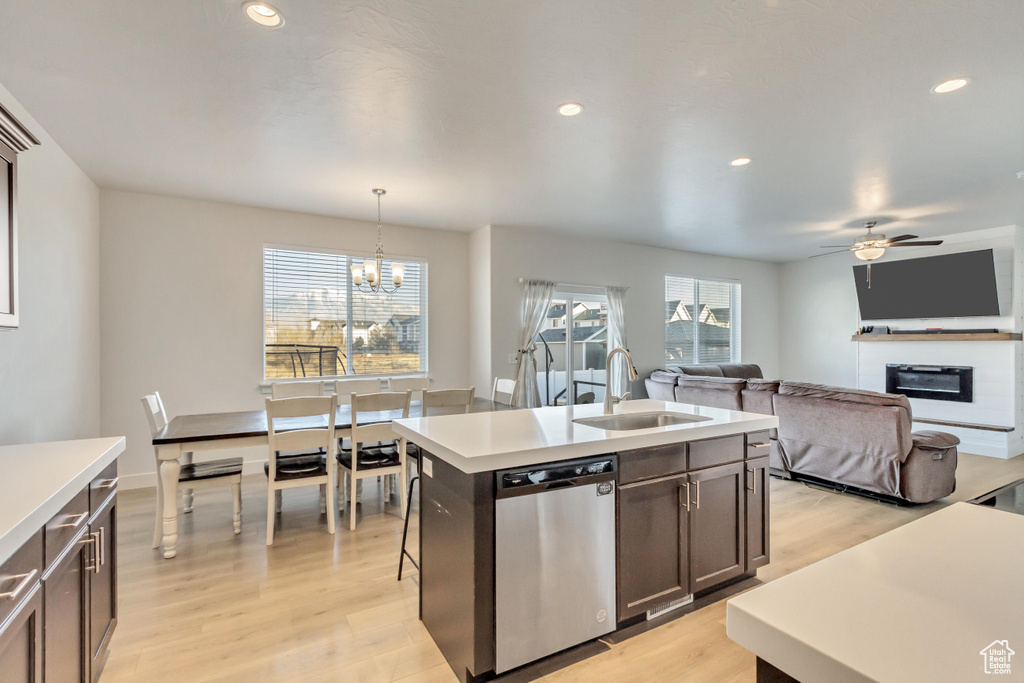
<point>600,470</point>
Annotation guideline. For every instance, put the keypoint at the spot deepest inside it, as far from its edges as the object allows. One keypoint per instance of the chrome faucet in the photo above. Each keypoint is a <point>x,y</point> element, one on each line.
<point>609,400</point>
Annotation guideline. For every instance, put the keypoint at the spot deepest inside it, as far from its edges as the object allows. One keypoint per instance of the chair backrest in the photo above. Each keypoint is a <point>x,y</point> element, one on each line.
<point>586,398</point>
<point>291,427</point>
<point>368,403</point>
<point>503,390</point>
<point>156,416</point>
<point>344,388</point>
<point>413,384</point>
<point>296,389</point>
<point>447,401</point>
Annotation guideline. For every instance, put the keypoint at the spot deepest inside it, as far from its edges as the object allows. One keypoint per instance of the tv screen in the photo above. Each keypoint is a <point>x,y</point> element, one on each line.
<point>949,286</point>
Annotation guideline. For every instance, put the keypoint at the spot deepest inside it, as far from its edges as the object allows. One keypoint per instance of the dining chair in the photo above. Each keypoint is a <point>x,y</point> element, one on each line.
<point>363,462</point>
<point>441,401</point>
<point>417,385</point>
<point>317,469</point>
<point>193,475</point>
<point>344,388</point>
<point>503,390</point>
<point>298,390</point>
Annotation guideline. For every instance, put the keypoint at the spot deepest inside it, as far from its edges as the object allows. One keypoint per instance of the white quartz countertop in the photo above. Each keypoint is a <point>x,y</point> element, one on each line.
<point>918,603</point>
<point>38,479</point>
<point>481,442</point>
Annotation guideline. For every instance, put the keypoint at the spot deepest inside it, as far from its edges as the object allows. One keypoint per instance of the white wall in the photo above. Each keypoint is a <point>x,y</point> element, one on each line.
<point>529,254</point>
<point>49,366</point>
<point>480,310</point>
<point>182,305</point>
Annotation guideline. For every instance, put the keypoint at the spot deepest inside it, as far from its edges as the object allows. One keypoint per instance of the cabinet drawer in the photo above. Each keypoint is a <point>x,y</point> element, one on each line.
<point>758,444</point>
<point>65,525</point>
<point>718,451</point>
<point>647,463</point>
<point>102,487</point>
<point>16,574</point>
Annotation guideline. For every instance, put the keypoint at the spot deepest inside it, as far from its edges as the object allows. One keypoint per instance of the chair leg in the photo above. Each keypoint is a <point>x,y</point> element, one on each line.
<point>158,530</point>
<point>323,499</point>
<point>329,488</point>
<point>270,516</point>
<point>405,533</point>
<point>352,508</point>
<point>236,499</point>
<point>277,500</point>
<point>402,479</point>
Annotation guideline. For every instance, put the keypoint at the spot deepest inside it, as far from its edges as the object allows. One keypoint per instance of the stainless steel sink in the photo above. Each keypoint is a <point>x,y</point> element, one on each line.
<point>630,421</point>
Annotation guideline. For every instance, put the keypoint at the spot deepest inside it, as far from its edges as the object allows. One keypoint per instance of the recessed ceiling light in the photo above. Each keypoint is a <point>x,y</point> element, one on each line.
<point>570,108</point>
<point>950,85</point>
<point>263,14</point>
<point>1020,175</point>
<point>742,161</point>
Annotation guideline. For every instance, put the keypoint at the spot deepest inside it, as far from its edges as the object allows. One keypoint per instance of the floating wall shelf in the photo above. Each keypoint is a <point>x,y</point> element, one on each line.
<point>959,336</point>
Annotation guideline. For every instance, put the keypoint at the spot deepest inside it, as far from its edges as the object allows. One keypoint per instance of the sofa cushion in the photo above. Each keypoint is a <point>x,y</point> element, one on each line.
<point>742,370</point>
<point>706,370</point>
<point>716,392</point>
<point>873,398</point>
<point>660,390</point>
<point>757,384</point>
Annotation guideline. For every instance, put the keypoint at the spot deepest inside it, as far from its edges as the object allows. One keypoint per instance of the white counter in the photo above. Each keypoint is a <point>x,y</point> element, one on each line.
<point>481,442</point>
<point>37,480</point>
<point>918,603</point>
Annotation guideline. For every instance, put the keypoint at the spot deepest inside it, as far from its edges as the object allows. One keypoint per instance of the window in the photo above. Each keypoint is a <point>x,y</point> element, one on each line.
<point>702,321</point>
<point>573,373</point>
<point>316,323</point>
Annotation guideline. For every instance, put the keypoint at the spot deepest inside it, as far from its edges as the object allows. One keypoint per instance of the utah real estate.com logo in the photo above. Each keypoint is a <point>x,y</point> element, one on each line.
<point>997,657</point>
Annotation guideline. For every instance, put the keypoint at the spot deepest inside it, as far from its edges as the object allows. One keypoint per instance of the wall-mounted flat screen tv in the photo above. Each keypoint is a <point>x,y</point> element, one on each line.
<point>948,286</point>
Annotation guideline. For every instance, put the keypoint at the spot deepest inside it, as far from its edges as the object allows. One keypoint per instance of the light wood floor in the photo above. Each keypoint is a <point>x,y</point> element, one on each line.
<point>317,608</point>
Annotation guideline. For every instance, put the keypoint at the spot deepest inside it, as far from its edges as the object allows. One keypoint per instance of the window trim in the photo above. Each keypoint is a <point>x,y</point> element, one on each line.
<point>350,253</point>
<point>735,331</point>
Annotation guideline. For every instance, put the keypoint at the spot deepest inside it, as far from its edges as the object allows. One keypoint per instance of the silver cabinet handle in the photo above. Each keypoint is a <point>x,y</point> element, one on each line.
<point>100,544</point>
<point>697,501</point>
<point>26,580</point>
<point>753,487</point>
<point>97,558</point>
<point>79,519</point>
<point>109,483</point>
<point>758,444</point>
<point>679,492</point>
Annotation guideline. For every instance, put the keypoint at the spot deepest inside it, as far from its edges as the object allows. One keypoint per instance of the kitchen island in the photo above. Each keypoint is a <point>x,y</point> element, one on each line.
<point>543,529</point>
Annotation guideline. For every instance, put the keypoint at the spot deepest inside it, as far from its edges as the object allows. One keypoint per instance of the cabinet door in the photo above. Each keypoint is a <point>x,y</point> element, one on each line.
<point>103,586</point>
<point>652,565</point>
<point>21,642</point>
<point>717,525</point>
<point>66,615</point>
<point>757,512</point>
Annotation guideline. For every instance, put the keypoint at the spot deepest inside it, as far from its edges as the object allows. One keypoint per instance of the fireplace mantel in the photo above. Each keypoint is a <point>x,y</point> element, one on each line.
<point>958,336</point>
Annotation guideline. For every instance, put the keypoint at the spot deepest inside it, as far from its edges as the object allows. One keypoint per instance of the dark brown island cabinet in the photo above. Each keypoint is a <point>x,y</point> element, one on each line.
<point>58,592</point>
<point>691,517</point>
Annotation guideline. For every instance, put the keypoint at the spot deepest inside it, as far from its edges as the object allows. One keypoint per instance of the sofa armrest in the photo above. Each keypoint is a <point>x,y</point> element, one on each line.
<point>934,441</point>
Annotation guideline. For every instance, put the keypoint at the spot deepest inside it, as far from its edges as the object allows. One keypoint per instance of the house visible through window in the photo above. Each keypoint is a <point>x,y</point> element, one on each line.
<point>702,321</point>
<point>316,323</point>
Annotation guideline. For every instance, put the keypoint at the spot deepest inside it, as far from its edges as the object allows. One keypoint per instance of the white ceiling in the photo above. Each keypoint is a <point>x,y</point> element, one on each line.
<point>451,107</point>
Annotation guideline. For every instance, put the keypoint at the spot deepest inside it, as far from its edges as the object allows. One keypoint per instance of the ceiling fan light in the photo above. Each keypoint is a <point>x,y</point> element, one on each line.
<point>869,253</point>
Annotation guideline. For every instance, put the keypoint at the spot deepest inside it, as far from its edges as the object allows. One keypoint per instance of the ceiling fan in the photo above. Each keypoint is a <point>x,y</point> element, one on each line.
<point>872,246</point>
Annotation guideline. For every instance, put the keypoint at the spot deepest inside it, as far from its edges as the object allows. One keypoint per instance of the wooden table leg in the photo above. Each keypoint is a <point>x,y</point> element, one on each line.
<point>170,469</point>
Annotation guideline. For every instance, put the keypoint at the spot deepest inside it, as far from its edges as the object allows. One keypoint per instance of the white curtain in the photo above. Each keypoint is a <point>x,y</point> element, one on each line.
<point>536,302</point>
<point>617,338</point>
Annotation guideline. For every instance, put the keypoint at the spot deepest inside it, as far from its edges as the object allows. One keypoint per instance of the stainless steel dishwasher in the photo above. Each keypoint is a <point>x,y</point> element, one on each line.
<point>554,558</point>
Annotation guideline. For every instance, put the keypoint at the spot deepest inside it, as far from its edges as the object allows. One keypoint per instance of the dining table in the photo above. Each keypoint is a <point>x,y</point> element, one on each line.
<point>185,435</point>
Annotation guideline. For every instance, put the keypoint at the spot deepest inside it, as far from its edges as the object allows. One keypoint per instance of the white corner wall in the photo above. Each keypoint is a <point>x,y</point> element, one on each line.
<point>480,310</point>
<point>49,366</point>
<point>182,305</point>
<point>518,252</point>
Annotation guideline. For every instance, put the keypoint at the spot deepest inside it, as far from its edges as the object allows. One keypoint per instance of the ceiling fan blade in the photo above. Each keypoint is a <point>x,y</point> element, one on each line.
<point>829,253</point>
<point>923,243</point>
<point>900,238</point>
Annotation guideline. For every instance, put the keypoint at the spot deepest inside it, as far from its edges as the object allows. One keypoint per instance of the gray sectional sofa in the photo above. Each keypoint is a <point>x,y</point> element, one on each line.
<point>846,438</point>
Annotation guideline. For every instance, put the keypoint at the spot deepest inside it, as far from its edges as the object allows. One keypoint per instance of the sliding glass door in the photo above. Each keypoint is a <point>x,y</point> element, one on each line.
<point>572,348</point>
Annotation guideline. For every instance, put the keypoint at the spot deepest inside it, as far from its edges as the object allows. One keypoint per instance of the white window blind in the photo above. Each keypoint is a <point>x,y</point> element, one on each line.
<point>702,321</point>
<point>318,324</point>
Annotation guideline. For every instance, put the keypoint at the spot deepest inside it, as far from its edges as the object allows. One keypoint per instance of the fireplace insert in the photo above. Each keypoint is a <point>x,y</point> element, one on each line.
<point>935,382</point>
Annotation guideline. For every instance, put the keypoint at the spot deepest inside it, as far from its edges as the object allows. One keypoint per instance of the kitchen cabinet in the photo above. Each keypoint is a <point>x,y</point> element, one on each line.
<point>653,554</point>
<point>702,523</point>
<point>102,585</point>
<point>717,525</point>
<point>757,513</point>
<point>21,641</point>
<point>66,613</point>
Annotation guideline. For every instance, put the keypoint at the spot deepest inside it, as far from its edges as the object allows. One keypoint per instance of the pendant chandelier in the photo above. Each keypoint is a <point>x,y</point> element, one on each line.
<point>373,271</point>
